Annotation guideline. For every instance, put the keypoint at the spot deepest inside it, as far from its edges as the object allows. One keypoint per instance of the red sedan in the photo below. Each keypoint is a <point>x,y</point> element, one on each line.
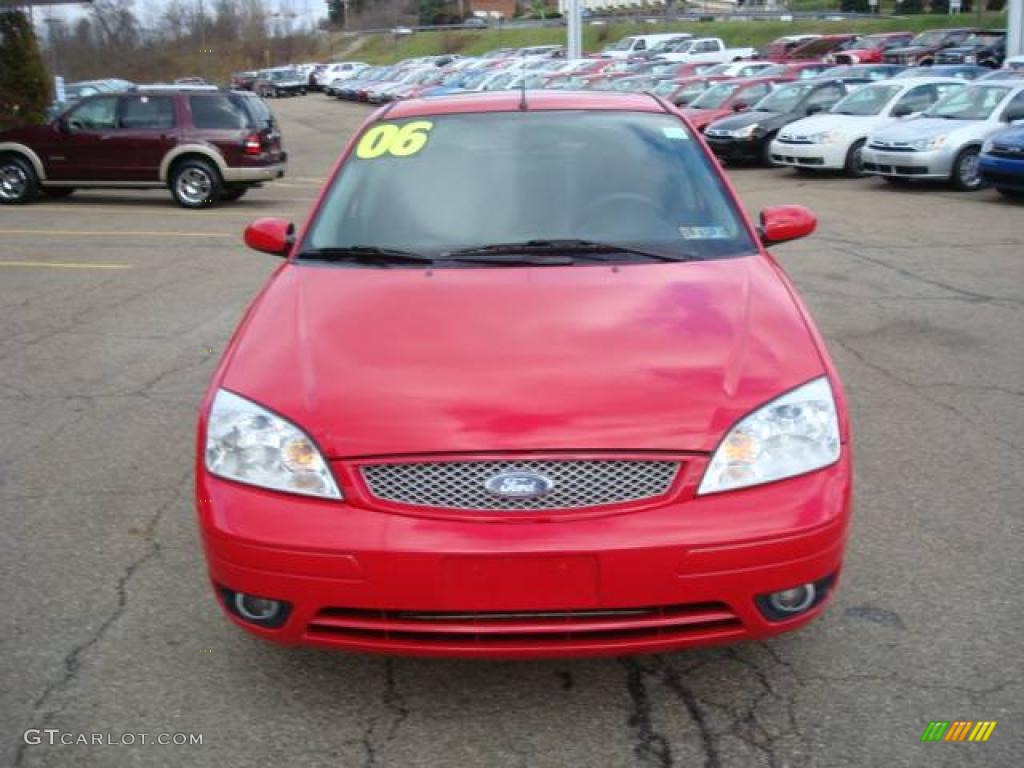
<point>725,98</point>
<point>527,383</point>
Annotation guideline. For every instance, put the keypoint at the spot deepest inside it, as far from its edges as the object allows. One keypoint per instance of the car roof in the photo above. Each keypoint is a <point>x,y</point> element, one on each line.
<point>509,101</point>
<point>911,82</point>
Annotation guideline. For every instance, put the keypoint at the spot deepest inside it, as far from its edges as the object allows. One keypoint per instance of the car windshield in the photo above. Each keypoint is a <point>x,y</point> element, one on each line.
<point>431,186</point>
<point>974,103</point>
<point>869,100</point>
<point>623,45</point>
<point>665,87</point>
<point>929,39</point>
<point>784,99</point>
<point>715,96</point>
<point>718,69</point>
<point>984,40</point>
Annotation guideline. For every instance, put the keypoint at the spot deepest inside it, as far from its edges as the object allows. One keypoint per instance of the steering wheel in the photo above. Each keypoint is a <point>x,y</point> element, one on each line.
<point>617,206</point>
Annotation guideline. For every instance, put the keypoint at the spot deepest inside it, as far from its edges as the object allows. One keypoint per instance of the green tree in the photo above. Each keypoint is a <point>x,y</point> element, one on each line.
<point>24,85</point>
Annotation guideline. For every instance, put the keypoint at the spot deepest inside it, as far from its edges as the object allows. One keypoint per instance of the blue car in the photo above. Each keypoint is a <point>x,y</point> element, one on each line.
<point>1001,162</point>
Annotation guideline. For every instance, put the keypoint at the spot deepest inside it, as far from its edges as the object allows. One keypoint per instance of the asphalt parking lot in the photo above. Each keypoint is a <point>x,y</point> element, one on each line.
<point>114,309</point>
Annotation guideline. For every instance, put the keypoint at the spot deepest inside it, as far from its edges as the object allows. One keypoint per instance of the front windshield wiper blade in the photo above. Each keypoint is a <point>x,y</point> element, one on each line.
<point>364,253</point>
<point>566,246</point>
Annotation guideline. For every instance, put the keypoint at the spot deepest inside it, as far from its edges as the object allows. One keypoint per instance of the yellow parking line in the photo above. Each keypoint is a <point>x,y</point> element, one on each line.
<point>94,233</point>
<point>63,265</point>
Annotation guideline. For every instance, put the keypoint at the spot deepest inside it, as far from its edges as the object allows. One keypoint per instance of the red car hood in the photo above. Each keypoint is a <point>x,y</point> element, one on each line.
<point>399,361</point>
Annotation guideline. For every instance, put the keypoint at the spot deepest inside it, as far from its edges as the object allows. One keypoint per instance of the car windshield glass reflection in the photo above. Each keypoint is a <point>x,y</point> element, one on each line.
<point>715,96</point>
<point>976,103</point>
<point>454,182</point>
<point>784,99</point>
<point>866,101</point>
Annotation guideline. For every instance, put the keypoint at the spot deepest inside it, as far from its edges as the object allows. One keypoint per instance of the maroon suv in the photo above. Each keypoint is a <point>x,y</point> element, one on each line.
<point>204,146</point>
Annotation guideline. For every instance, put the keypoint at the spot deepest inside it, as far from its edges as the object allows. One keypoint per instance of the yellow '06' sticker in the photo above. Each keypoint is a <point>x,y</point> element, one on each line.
<point>395,140</point>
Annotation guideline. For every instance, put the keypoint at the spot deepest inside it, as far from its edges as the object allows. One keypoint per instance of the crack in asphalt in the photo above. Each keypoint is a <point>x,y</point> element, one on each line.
<point>650,747</point>
<point>395,705</point>
<point>881,369</point>
<point>72,663</point>
<point>848,248</point>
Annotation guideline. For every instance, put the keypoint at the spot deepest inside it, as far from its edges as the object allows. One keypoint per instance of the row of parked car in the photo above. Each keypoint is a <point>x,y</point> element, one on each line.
<point>813,103</point>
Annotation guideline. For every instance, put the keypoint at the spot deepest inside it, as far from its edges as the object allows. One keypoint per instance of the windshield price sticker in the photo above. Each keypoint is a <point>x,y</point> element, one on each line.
<point>394,140</point>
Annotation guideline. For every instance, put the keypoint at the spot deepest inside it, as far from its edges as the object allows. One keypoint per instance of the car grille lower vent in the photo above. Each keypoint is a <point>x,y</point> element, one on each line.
<point>522,628</point>
<point>572,484</point>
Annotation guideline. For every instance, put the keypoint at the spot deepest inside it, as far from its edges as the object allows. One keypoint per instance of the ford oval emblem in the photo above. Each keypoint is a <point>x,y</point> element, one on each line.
<point>523,484</point>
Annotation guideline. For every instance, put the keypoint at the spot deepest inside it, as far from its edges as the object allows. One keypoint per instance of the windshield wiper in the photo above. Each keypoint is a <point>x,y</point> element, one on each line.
<point>365,253</point>
<point>567,246</point>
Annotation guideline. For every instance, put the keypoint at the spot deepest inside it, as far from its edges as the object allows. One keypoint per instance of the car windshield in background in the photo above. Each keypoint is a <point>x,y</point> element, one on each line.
<point>784,99</point>
<point>441,184</point>
<point>664,88</point>
<point>928,39</point>
<point>869,100</point>
<point>983,40</point>
<point>975,103</point>
<point>715,96</point>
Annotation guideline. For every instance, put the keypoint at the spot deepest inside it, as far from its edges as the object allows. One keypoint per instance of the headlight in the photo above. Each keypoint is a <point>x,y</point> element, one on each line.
<point>745,133</point>
<point>825,137</point>
<point>247,443</point>
<point>791,435</point>
<point>923,145</point>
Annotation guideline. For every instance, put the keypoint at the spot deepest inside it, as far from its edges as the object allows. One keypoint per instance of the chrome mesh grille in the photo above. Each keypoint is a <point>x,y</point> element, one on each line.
<point>577,483</point>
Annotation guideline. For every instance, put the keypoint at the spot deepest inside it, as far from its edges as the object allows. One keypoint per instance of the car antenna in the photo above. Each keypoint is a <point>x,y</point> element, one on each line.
<point>522,84</point>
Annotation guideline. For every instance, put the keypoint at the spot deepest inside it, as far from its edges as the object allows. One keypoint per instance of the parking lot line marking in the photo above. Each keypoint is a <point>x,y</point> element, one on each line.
<point>93,233</point>
<point>63,265</point>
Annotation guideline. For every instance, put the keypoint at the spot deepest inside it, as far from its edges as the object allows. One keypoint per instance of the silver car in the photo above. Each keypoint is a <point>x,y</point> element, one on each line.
<point>944,142</point>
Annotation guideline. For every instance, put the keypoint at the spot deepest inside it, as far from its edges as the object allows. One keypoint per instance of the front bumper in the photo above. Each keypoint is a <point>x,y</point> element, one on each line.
<point>814,156</point>
<point>365,580</point>
<point>732,148</point>
<point>935,164</point>
<point>1002,172</point>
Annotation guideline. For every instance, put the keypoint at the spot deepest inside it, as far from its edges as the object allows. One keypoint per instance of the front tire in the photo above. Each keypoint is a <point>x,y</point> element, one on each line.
<point>854,165</point>
<point>965,171</point>
<point>18,181</point>
<point>195,184</point>
<point>766,152</point>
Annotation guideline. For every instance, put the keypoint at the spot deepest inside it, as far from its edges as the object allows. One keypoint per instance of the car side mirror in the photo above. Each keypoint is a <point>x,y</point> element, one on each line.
<point>273,236</point>
<point>740,106</point>
<point>62,125</point>
<point>782,223</point>
<point>813,109</point>
<point>902,112</point>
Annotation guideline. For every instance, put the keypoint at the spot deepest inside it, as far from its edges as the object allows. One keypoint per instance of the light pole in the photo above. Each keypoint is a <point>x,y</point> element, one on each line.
<point>574,47</point>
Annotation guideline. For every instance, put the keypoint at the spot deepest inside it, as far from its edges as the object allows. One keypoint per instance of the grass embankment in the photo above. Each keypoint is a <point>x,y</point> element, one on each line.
<point>382,48</point>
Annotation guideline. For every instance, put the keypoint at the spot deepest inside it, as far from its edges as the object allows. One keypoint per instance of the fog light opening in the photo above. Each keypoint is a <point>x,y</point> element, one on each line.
<point>259,609</point>
<point>793,600</point>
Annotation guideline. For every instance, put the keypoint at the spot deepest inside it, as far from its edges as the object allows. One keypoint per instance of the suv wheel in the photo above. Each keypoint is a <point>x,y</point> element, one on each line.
<point>195,184</point>
<point>18,181</point>
<point>965,171</point>
<point>854,166</point>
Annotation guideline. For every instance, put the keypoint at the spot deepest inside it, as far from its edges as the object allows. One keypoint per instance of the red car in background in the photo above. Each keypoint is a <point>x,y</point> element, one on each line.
<point>724,98</point>
<point>868,49</point>
<point>818,48</point>
<point>604,425</point>
<point>778,49</point>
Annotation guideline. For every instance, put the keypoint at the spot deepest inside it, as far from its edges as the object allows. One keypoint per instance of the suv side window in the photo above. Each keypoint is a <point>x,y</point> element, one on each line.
<point>141,112</point>
<point>216,111</point>
<point>640,45</point>
<point>99,114</point>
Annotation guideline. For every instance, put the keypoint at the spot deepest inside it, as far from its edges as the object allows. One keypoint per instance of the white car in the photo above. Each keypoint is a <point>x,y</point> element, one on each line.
<point>339,72</point>
<point>834,140</point>
<point>634,44</point>
<point>712,49</point>
<point>1015,63</point>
